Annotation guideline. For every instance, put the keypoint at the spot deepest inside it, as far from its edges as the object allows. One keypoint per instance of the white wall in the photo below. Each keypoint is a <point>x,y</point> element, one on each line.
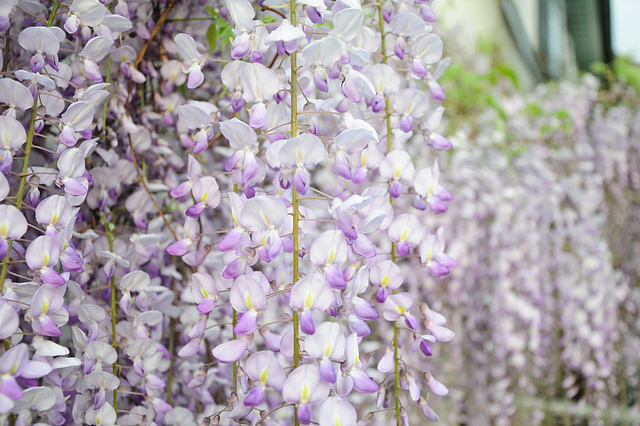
<point>483,18</point>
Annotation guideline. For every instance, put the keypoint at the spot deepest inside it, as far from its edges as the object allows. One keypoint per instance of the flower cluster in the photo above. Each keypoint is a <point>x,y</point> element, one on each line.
<point>221,213</point>
<point>548,224</point>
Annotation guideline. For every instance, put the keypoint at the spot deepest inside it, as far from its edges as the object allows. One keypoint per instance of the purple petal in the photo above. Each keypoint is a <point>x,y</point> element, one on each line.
<point>304,414</point>
<point>301,180</point>
<point>181,190</point>
<point>68,136</point>
<point>314,15</point>
<point>436,205</point>
<point>438,270</point>
<point>351,90</point>
<point>335,277</point>
<point>255,397</point>
<point>411,321</point>
<point>320,80</point>
<point>328,371</point>
<point>247,324</point>
<point>161,406</point>
<point>196,210</point>
<point>364,310</point>
<point>445,260</point>
<point>190,349</point>
<point>356,325</point>
<point>382,294</point>
<point>35,370</point>
<point>74,188</point>
<point>178,248</point>
<point>439,142</point>
<point>240,50</point>
<point>259,117</point>
<point>426,348</point>
<point>199,327</point>
<point>436,91</point>
<point>232,351</point>
<point>363,247</point>
<point>377,103</point>
<point>406,124</point>
<point>347,226</point>
<point>251,169</point>
<point>235,269</point>
<point>48,327</point>
<point>232,241</point>
<point>196,77</point>
<point>418,68</point>
<point>395,189</point>
<point>10,387</point>
<point>363,383</point>
<point>398,48</point>
<point>99,399</point>
<point>306,323</point>
<point>403,248</point>
<point>49,276</point>
<point>256,57</point>
<point>206,306</point>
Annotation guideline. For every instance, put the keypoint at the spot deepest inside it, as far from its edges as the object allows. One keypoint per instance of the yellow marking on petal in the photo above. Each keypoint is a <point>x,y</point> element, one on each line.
<point>304,398</point>
<point>332,256</point>
<point>55,218</point>
<point>397,172</point>
<point>308,301</point>
<point>405,235</point>
<point>265,218</point>
<point>263,376</point>
<point>14,368</point>
<point>247,301</point>
<point>45,259</point>
<point>328,350</point>
<point>385,281</point>
<point>235,218</point>
<point>204,197</point>
<point>4,229</point>
<point>402,310</point>
<point>336,421</point>
<point>204,293</point>
<point>299,157</point>
<point>45,307</point>
<point>363,160</point>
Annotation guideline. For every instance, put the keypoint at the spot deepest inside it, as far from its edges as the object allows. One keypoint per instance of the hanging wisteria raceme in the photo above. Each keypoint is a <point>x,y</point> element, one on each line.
<point>216,212</point>
<point>545,291</point>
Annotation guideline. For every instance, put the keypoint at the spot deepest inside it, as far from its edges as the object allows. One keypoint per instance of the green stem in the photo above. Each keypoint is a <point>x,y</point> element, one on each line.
<point>25,161</point>
<point>114,307</point>
<point>172,330</point>
<point>56,5</point>
<point>235,364</point>
<point>387,111</point>
<point>104,113</point>
<point>236,189</point>
<point>23,178</point>
<point>294,198</point>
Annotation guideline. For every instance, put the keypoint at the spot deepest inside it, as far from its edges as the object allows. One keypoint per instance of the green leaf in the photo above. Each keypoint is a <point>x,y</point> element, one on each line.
<point>212,37</point>
<point>268,19</point>
<point>212,11</point>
